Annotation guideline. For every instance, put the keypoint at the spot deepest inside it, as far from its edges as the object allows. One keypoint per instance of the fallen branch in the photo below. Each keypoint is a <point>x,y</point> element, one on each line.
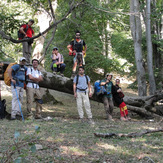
<point>130,135</point>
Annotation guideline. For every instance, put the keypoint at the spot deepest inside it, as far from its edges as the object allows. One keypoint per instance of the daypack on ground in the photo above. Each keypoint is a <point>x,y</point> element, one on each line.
<point>7,79</point>
<point>3,112</point>
<point>99,90</point>
<point>21,35</point>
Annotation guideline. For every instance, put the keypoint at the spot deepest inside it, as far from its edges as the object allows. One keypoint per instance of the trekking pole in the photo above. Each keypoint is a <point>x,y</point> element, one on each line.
<point>19,103</point>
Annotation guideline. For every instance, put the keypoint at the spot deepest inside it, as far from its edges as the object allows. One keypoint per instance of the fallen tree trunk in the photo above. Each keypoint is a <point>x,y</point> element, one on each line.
<point>130,135</point>
<point>144,106</point>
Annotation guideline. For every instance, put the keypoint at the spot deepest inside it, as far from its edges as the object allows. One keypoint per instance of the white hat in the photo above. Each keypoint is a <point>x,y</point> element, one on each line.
<point>22,58</point>
<point>109,74</point>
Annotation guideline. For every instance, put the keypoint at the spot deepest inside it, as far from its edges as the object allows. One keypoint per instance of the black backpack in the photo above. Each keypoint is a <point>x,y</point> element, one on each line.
<point>3,112</point>
<point>21,35</point>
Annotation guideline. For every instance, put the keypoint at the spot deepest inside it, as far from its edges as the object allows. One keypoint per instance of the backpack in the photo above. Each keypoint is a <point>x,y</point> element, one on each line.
<point>3,112</point>
<point>7,79</point>
<point>75,42</point>
<point>99,90</point>
<point>21,35</point>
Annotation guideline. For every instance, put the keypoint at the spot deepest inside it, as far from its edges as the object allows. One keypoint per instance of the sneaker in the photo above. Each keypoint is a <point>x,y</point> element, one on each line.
<point>128,118</point>
<point>110,118</point>
<point>62,74</point>
<point>90,121</point>
<point>54,73</point>
<point>13,117</point>
<point>72,76</point>
<point>123,119</point>
<point>81,120</point>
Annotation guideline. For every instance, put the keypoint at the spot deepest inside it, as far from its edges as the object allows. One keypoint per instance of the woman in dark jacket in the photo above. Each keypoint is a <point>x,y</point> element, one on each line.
<point>118,98</point>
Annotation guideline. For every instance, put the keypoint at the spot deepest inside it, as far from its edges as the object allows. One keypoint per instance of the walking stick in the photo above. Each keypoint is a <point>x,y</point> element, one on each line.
<point>19,103</point>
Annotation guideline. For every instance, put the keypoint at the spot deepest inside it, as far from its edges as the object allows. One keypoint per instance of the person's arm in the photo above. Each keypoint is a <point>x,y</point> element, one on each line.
<point>104,82</point>
<point>10,75</point>
<point>85,48</point>
<point>69,48</point>
<point>90,89</point>
<point>74,89</point>
<point>22,31</point>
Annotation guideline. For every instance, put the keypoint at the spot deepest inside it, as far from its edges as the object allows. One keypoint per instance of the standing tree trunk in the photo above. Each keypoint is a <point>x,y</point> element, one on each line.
<point>152,84</point>
<point>135,25</point>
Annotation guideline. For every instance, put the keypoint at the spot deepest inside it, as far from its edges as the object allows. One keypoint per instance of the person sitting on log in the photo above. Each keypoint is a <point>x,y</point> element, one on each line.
<point>118,98</point>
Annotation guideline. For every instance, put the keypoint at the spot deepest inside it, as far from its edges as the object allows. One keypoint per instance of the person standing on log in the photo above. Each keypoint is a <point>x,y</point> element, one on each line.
<point>27,31</point>
<point>107,98</point>
<point>118,98</point>
<point>77,48</point>
<point>82,92</point>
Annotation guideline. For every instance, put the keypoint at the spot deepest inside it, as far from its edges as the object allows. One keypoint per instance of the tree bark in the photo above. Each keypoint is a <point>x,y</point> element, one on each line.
<point>152,84</point>
<point>135,25</point>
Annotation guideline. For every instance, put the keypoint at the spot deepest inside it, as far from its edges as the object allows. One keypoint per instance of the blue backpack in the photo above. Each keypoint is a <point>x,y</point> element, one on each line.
<point>99,90</point>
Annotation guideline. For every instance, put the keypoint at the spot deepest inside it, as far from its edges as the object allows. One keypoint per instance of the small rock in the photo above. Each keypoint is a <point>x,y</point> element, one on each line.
<point>38,146</point>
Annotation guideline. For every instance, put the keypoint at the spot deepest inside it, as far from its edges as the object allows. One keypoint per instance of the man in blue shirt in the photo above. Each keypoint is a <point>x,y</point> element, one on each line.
<point>82,92</point>
<point>17,76</point>
<point>107,98</point>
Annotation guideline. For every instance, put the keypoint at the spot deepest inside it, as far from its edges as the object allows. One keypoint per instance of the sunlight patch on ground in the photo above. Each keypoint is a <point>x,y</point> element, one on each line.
<point>107,146</point>
<point>73,151</point>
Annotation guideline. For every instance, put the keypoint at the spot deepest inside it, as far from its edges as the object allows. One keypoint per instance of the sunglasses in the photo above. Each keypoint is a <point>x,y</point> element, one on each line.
<point>77,34</point>
<point>55,49</point>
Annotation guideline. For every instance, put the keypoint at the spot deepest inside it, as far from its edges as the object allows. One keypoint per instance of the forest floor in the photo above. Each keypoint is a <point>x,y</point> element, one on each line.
<point>64,139</point>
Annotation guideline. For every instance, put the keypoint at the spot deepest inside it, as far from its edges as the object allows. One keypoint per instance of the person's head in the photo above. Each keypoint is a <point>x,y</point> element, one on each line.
<point>117,81</point>
<point>55,50</point>
<point>109,76</point>
<point>22,61</point>
<point>35,63</point>
<point>30,22</point>
<point>77,34</point>
<point>81,70</point>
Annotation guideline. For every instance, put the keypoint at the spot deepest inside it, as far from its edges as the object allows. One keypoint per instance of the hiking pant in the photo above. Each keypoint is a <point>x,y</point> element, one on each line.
<point>33,93</point>
<point>123,109</point>
<point>15,104</point>
<point>108,105</point>
<point>27,51</point>
<point>82,97</point>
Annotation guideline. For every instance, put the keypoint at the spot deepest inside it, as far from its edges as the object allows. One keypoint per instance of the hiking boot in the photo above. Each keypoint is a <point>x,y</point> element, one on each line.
<point>128,118</point>
<point>123,119</point>
<point>90,121</point>
<point>72,76</point>
<point>54,73</point>
<point>81,120</point>
<point>62,74</point>
<point>38,117</point>
<point>13,117</point>
<point>110,118</point>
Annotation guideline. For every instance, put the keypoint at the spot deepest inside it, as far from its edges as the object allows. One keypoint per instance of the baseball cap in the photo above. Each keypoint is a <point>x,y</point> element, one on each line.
<point>109,74</point>
<point>31,20</point>
<point>55,48</point>
<point>35,60</point>
<point>22,58</point>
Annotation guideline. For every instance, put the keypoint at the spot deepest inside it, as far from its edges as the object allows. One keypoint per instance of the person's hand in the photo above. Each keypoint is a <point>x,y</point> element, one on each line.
<point>75,94</point>
<point>13,81</point>
<point>83,52</point>
<point>119,90</point>
<point>90,94</point>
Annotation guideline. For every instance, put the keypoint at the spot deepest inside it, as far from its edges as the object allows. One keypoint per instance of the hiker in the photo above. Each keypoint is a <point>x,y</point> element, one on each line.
<point>118,98</point>
<point>107,98</point>
<point>58,64</point>
<point>82,92</point>
<point>28,32</point>
<point>34,76</point>
<point>77,48</point>
<point>17,76</point>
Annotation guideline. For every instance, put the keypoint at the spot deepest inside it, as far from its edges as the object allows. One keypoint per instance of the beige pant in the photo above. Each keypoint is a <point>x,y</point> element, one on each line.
<point>32,94</point>
<point>83,98</point>
<point>15,104</point>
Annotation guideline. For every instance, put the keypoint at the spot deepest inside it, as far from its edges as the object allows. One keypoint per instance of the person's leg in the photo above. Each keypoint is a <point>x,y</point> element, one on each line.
<point>26,51</point>
<point>38,104</point>
<point>30,97</point>
<point>106,106</point>
<point>87,105</point>
<point>62,67</point>
<point>111,105</point>
<point>79,105</point>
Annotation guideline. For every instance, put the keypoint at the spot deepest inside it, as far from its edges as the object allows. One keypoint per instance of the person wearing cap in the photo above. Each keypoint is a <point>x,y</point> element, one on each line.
<point>118,98</point>
<point>17,76</point>
<point>107,98</point>
<point>34,76</point>
<point>28,32</point>
<point>77,48</point>
<point>58,64</point>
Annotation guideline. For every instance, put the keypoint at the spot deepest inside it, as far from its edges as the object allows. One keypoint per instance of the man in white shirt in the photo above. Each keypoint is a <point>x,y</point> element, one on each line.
<point>33,91</point>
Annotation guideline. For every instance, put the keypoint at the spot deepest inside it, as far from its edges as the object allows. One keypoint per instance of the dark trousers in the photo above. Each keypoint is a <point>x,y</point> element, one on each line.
<point>59,68</point>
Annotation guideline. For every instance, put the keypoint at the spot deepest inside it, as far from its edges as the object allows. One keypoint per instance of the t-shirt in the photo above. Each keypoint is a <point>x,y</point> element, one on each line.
<point>36,74</point>
<point>18,74</point>
<point>82,83</point>
<point>78,45</point>
<point>108,87</point>
<point>58,57</point>
<point>116,96</point>
<point>29,31</point>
